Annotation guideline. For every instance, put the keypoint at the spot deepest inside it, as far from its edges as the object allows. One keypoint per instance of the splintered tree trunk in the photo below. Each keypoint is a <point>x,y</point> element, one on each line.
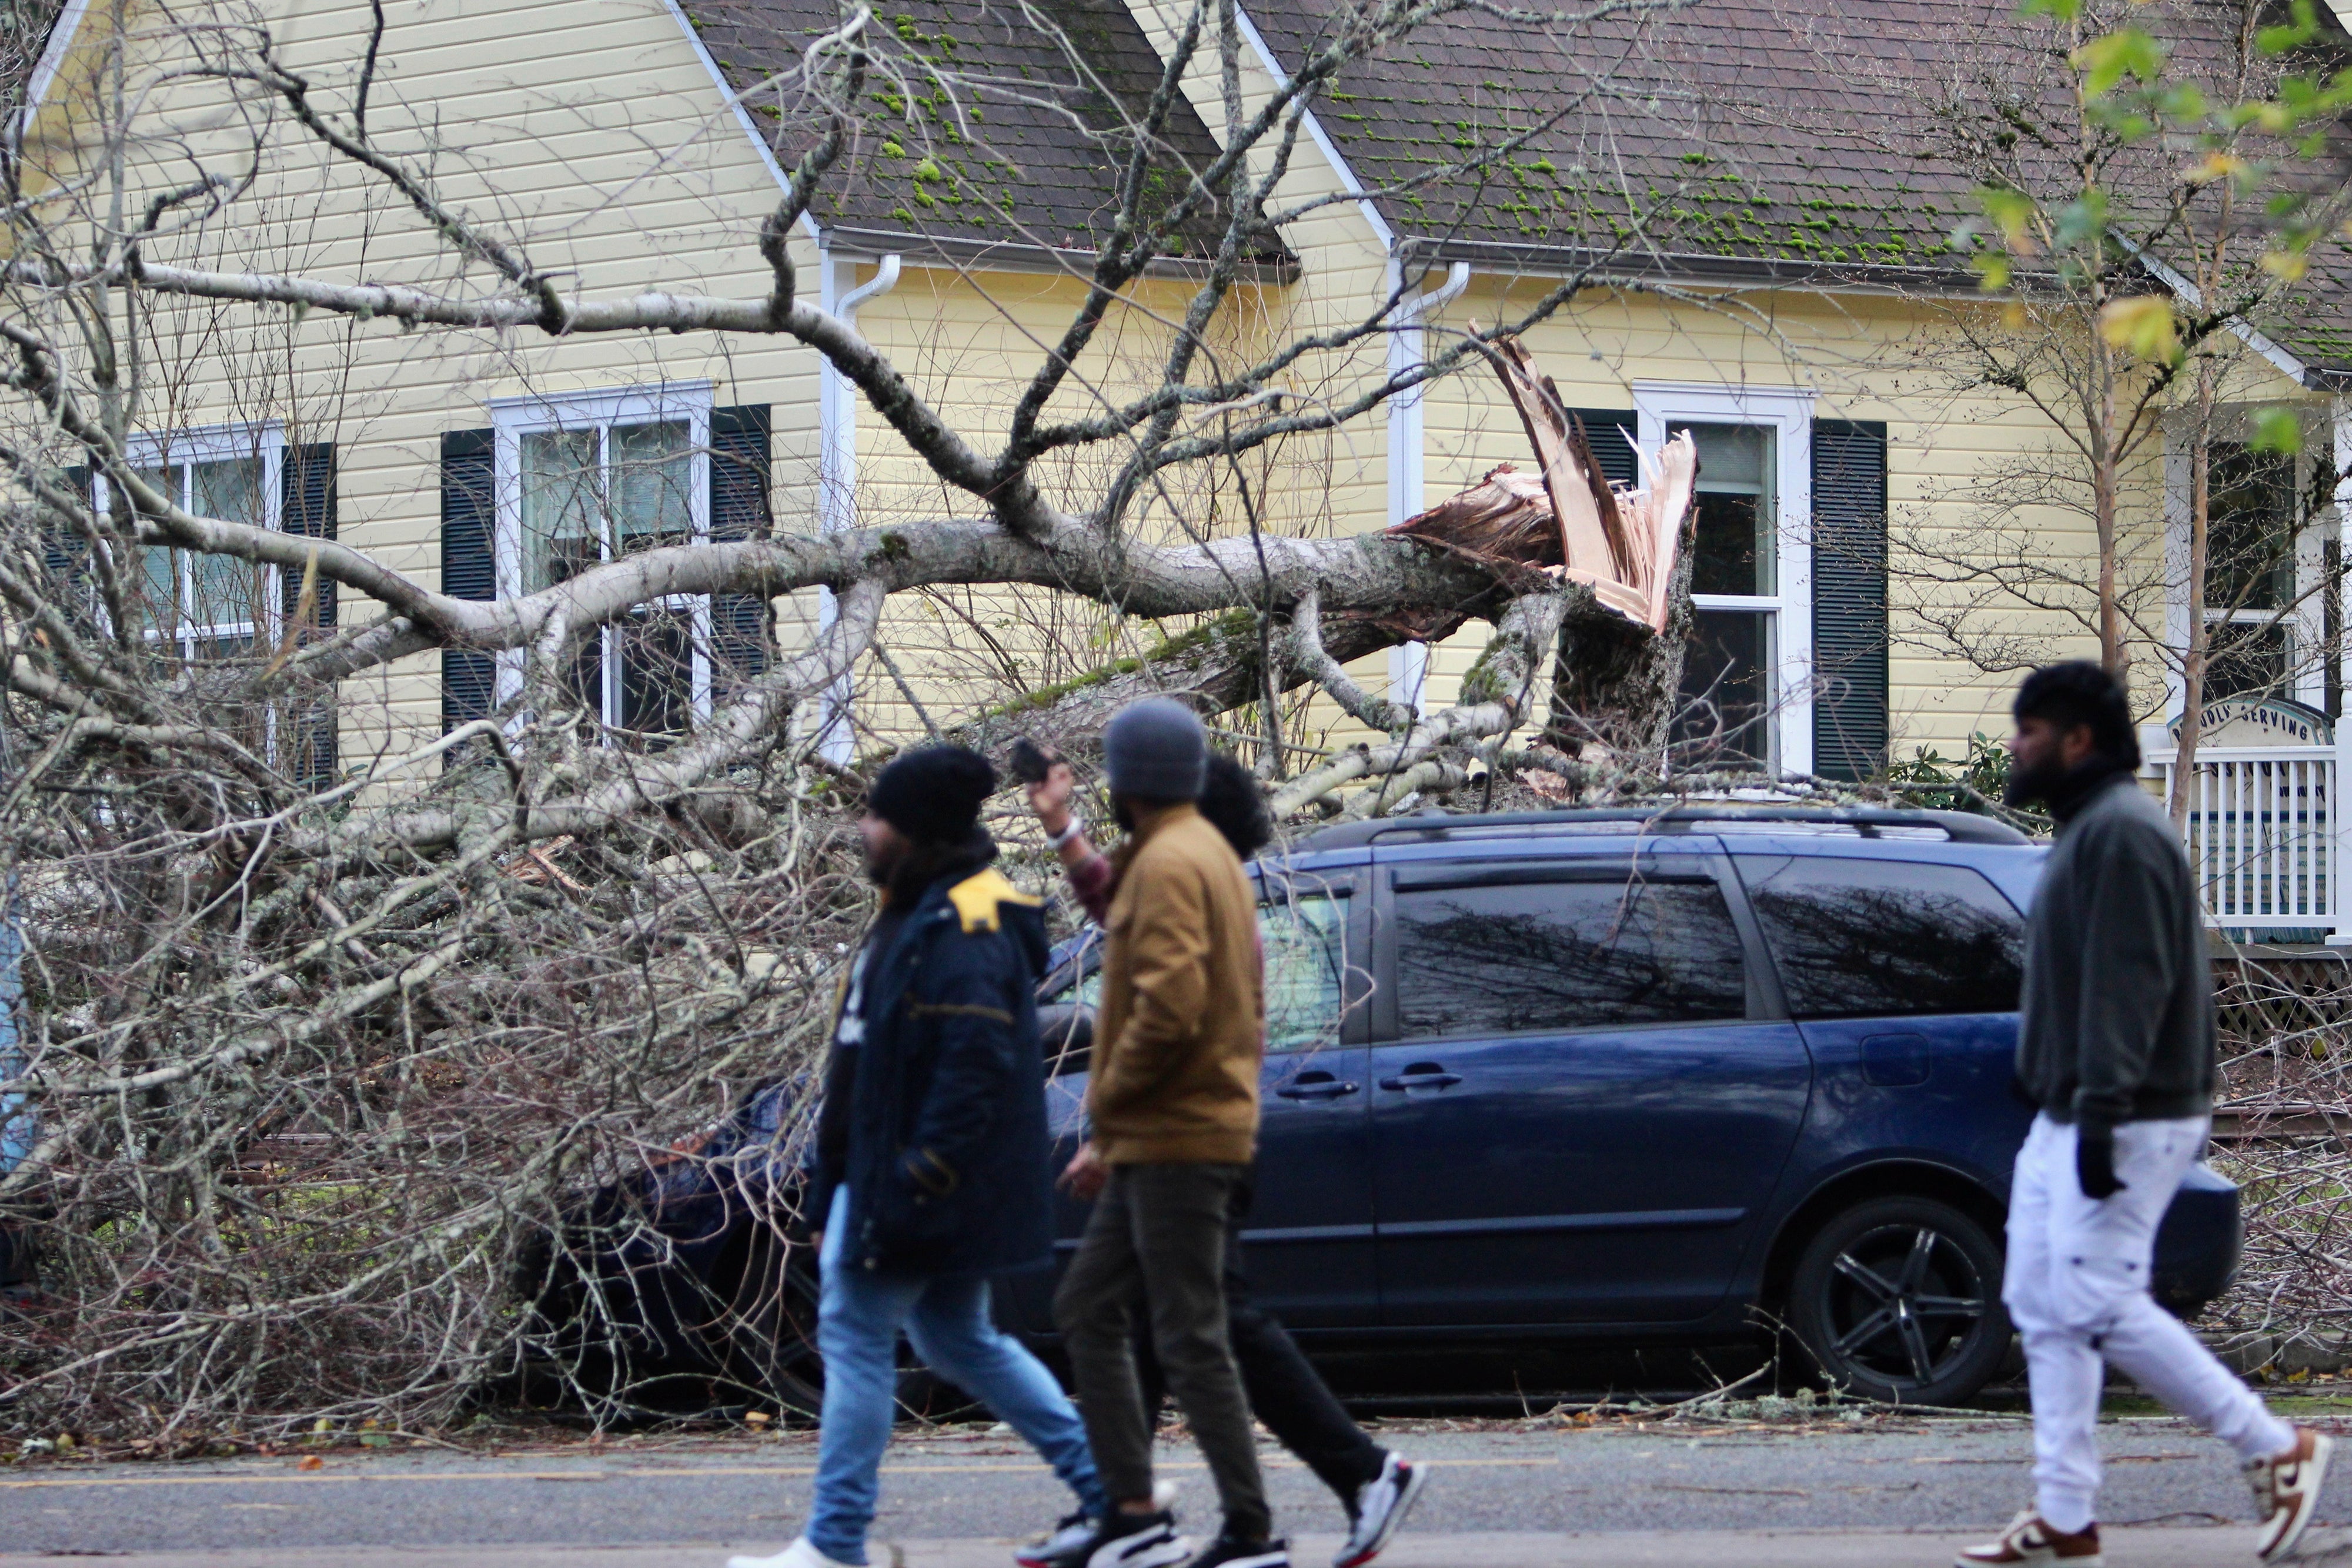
<point>1616,686</point>
<point>1217,666</point>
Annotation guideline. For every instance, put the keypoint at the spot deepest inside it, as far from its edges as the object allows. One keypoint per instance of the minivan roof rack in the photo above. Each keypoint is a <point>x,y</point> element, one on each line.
<point>1691,817</point>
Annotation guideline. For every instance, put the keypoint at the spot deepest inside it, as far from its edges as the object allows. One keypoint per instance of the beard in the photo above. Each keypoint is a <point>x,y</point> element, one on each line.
<point>883,860</point>
<point>1122,813</point>
<point>2036,783</point>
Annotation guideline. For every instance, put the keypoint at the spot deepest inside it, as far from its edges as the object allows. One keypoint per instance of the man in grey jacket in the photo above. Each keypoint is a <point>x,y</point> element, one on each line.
<point>2115,1050</point>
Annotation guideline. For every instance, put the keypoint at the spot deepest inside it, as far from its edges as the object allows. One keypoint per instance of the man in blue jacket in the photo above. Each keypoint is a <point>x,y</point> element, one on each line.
<point>933,1153</point>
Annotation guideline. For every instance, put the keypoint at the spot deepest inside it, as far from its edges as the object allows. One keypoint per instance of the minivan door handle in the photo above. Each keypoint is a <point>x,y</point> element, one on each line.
<point>1422,1075</point>
<point>1317,1085</point>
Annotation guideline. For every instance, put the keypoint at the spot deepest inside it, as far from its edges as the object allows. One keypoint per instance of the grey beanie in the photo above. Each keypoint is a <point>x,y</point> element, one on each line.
<point>1155,750</point>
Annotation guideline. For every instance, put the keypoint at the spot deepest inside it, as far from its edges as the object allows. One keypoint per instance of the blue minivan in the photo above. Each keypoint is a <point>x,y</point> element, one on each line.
<point>1667,1077</point>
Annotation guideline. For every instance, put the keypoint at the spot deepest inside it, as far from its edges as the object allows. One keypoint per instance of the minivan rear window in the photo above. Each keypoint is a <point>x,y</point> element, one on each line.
<point>1872,938</point>
<point>1541,956</point>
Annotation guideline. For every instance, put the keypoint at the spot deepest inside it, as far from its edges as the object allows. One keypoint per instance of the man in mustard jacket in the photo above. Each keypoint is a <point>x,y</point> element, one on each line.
<point>1173,1102</point>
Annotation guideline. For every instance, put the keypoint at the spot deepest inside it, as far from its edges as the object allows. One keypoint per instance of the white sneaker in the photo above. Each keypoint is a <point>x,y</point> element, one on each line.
<point>799,1554</point>
<point>2286,1489</point>
<point>2030,1539</point>
<point>1381,1508</point>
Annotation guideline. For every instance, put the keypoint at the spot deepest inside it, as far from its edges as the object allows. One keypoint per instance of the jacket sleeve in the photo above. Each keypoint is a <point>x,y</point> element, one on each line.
<point>2128,908</point>
<point>1168,965</point>
<point>970,1001</point>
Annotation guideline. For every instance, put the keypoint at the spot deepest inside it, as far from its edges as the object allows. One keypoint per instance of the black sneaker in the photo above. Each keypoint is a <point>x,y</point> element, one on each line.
<point>1124,1540</point>
<point>1073,1532</point>
<point>1226,1551</point>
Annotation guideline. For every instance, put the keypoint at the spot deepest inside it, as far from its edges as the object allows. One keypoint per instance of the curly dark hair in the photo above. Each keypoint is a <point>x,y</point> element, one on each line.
<point>2080,692</point>
<point>1235,806</point>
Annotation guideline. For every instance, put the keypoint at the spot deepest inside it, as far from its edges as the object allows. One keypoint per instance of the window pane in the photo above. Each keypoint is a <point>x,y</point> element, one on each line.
<point>2245,661</point>
<point>1737,547</point>
<point>2250,536</point>
<point>1727,690</point>
<point>1565,955</point>
<point>652,469</point>
<point>159,564</point>
<point>657,672</point>
<point>1856,938</point>
<point>559,527</point>
<point>160,573</point>
<point>1305,959</point>
<point>230,491</point>
<point>222,589</point>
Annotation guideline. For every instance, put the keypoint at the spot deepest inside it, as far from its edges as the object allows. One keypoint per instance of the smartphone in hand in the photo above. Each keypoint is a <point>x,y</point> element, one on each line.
<point>1028,762</point>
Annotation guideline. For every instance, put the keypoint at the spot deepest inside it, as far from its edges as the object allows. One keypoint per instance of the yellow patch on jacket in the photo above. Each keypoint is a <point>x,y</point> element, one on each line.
<point>977,896</point>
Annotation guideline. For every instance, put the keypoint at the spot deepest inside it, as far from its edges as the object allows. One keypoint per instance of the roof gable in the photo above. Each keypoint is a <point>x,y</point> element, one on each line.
<point>976,133</point>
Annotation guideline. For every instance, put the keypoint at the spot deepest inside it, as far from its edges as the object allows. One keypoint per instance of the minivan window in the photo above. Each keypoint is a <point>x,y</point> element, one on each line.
<point>1306,960</point>
<point>1869,938</point>
<point>1305,938</point>
<point>1522,956</point>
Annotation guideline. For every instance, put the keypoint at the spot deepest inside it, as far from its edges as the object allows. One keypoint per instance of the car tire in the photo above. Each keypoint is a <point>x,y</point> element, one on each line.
<point>1898,1300</point>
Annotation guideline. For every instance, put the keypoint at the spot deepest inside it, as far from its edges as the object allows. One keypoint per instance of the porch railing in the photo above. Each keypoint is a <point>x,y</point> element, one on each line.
<point>2264,839</point>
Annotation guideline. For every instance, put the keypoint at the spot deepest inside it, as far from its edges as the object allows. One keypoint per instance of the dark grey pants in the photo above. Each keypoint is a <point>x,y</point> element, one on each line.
<point>1160,1228</point>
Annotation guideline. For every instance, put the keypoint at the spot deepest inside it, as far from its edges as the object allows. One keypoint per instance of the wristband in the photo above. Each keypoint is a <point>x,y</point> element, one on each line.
<point>1069,830</point>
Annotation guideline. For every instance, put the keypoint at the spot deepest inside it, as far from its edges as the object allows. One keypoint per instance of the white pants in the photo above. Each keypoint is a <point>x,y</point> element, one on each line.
<point>2077,1287</point>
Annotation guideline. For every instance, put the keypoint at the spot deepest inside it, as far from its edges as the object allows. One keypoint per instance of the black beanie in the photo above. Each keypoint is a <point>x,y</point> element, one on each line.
<point>933,794</point>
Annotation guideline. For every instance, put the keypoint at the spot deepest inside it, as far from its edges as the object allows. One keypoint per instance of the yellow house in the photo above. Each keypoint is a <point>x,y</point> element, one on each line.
<point>1757,268</point>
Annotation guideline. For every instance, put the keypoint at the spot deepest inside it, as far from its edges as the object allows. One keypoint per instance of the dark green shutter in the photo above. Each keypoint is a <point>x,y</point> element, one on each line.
<point>66,551</point>
<point>741,624</point>
<point>306,479</point>
<point>1850,727</point>
<point>469,676</point>
<point>1611,432</point>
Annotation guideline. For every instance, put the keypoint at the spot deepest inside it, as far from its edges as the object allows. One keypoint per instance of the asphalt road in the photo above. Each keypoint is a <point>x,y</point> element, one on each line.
<point>1527,1496</point>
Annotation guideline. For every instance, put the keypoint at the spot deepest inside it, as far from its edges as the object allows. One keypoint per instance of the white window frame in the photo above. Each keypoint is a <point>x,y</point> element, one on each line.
<point>511,419</point>
<point>2305,624</point>
<point>180,450</point>
<point>1787,411</point>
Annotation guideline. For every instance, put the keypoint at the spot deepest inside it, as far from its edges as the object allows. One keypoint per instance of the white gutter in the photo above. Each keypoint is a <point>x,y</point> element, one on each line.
<point>836,479</point>
<point>1409,662</point>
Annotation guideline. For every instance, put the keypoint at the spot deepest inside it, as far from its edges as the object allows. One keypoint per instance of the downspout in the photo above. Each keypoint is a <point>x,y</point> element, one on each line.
<point>2340,849</point>
<point>836,479</point>
<point>1409,662</point>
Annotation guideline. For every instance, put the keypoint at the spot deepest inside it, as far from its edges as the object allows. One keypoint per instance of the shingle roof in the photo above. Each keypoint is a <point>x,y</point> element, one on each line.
<point>979,132</point>
<point>1749,138</point>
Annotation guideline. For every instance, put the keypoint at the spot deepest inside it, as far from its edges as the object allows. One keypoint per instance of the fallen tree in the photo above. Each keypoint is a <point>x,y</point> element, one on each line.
<point>309,1062</point>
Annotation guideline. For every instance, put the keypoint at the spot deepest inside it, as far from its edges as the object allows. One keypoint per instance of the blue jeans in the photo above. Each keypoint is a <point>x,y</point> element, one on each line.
<point>859,1320</point>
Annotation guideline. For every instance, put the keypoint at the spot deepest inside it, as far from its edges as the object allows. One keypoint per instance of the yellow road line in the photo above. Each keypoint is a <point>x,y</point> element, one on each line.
<point>694,1472</point>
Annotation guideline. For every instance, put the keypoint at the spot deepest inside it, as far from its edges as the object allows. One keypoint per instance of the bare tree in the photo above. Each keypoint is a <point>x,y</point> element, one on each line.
<point>2148,188</point>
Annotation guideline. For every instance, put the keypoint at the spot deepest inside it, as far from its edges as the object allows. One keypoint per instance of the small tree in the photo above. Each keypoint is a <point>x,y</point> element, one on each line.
<point>2148,192</point>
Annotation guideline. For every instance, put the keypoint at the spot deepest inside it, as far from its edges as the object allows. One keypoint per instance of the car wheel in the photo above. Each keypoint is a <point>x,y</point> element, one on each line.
<point>1899,1300</point>
<point>770,1327</point>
